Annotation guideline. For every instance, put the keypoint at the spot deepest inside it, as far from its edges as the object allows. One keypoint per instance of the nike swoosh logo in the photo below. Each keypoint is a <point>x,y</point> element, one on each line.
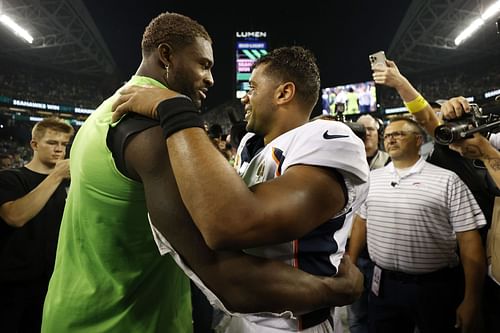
<point>333,136</point>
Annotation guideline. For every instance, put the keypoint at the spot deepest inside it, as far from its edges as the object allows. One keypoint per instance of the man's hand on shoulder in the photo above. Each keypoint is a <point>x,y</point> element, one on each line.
<point>141,100</point>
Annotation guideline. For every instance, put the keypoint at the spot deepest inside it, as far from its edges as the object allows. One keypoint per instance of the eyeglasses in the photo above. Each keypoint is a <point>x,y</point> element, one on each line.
<point>397,135</point>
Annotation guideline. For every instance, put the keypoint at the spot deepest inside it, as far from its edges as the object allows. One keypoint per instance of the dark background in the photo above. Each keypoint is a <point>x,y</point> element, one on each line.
<point>340,33</point>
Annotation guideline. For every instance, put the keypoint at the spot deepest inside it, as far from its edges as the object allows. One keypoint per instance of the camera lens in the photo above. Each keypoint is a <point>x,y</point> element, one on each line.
<point>443,135</point>
<point>451,132</point>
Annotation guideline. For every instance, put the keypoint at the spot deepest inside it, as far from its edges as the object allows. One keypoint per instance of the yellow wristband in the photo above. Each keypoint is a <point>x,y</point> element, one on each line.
<point>417,105</point>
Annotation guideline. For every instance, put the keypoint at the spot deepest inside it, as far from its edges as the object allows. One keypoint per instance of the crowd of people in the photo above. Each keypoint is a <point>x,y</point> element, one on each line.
<point>49,87</point>
<point>148,228</point>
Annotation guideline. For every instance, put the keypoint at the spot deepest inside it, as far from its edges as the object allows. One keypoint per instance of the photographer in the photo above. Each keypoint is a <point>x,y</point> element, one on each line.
<point>480,148</point>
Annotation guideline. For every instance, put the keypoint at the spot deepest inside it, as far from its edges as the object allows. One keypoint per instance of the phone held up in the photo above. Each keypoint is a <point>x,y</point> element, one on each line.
<point>377,59</point>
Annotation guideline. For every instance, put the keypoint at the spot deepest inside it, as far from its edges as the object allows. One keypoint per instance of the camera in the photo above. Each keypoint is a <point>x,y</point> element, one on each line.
<point>474,121</point>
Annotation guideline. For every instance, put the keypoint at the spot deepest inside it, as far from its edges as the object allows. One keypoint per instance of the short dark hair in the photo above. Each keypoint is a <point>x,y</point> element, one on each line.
<point>174,29</point>
<point>295,64</point>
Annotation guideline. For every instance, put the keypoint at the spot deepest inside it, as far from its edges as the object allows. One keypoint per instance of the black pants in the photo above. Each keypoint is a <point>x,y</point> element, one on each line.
<point>202,311</point>
<point>491,306</point>
<point>21,306</point>
<point>427,301</point>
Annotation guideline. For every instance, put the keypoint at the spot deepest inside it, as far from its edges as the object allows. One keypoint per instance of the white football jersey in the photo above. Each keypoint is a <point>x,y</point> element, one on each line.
<point>323,143</point>
<point>319,143</point>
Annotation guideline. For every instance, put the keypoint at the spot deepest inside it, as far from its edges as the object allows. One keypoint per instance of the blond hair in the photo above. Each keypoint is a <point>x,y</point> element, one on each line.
<point>53,123</point>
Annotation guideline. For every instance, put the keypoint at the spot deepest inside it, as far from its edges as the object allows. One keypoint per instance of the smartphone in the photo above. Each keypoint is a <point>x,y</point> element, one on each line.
<point>377,59</point>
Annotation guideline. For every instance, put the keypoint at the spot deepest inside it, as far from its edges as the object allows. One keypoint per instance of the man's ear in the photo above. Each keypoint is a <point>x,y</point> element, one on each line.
<point>164,54</point>
<point>285,92</point>
<point>420,139</point>
<point>34,144</point>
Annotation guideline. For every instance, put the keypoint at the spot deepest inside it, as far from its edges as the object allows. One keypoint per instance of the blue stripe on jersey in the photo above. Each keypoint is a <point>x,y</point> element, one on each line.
<point>279,158</point>
<point>314,249</point>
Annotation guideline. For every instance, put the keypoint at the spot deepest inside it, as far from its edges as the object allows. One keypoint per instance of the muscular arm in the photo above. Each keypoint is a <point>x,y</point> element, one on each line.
<point>479,147</point>
<point>244,283</point>
<point>18,212</point>
<point>231,215</point>
<point>357,241</point>
<point>474,264</point>
<point>390,76</point>
<point>225,210</point>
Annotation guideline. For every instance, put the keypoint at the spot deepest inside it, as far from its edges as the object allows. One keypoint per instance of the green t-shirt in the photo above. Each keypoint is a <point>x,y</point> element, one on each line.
<point>109,275</point>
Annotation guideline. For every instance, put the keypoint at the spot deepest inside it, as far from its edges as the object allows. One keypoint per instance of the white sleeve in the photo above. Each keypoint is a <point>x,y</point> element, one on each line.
<point>362,212</point>
<point>330,144</point>
<point>495,140</point>
<point>465,213</point>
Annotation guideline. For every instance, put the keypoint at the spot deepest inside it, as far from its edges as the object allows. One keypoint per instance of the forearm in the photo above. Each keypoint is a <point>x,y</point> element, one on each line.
<point>425,117</point>
<point>277,287</point>
<point>479,147</point>
<point>245,283</point>
<point>18,212</point>
<point>473,261</point>
<point>357,241</point>
<point>491,161</point>
<point>393,78</point>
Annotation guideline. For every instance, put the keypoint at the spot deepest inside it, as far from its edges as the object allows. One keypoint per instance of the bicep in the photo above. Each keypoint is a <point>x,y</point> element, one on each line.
<point>166,209</point>
<point>294,204</point>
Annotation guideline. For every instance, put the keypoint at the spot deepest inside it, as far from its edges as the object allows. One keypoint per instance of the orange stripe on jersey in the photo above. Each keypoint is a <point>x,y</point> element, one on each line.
<point>278,157</point>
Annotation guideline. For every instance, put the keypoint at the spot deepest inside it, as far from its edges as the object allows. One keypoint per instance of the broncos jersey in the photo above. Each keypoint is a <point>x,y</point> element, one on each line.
<point>319,143</point>
<point>322,143</point>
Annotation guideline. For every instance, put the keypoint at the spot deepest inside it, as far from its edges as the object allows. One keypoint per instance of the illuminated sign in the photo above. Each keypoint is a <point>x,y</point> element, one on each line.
<point>250,46</point>
<point>251,34</point>
<point>43,106</point>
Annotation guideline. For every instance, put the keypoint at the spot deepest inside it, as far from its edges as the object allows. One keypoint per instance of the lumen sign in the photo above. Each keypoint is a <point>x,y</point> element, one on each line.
<point>250,46</point>
<point>251,34</point>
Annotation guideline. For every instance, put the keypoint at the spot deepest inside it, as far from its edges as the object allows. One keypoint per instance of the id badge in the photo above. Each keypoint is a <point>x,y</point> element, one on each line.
<point>377,276</point>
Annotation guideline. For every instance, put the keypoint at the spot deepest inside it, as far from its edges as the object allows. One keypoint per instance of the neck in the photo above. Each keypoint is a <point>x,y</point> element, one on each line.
<point>370,153</point>
<point>37,166</point>
<point>146,69</point>
<point>286,120</point>
<point>405,163</point>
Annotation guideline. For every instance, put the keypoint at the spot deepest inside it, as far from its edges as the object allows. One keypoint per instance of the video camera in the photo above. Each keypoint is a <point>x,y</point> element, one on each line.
<point>480,119</point>
<point>358,129</point>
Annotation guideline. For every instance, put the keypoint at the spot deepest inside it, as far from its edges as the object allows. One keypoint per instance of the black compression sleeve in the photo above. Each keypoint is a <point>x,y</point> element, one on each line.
<point>177,114</point>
